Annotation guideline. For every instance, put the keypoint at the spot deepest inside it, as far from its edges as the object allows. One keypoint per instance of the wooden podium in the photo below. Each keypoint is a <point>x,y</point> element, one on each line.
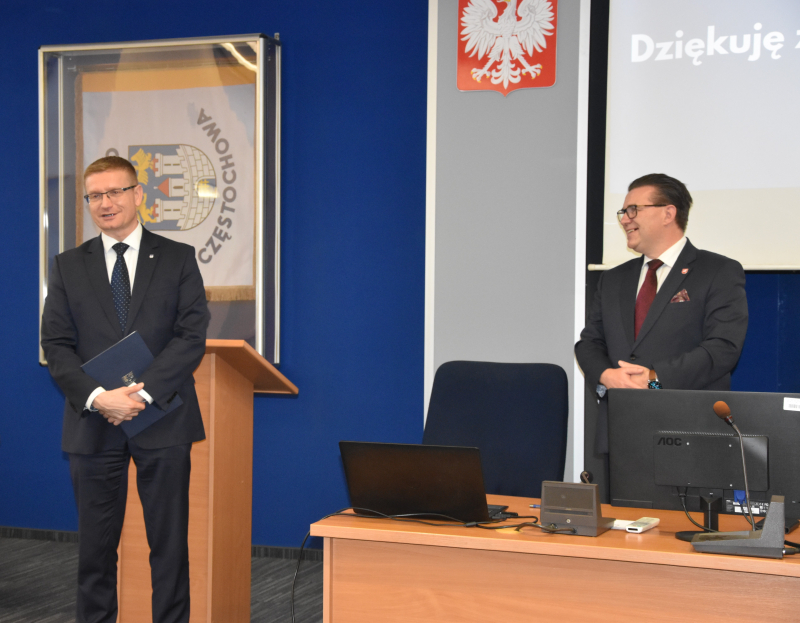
<point>220,493</point>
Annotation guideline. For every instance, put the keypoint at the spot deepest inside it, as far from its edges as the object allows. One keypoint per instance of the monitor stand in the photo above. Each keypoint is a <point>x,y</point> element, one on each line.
<point>710,505</point>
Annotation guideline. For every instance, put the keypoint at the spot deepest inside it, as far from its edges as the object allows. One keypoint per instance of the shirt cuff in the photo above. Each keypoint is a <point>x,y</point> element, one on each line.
<point>146,396</point>
<point>91,398</point>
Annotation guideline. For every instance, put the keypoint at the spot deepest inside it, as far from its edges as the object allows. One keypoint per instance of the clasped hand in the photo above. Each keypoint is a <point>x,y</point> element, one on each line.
<point>120,405</point>
<point>627,376</point>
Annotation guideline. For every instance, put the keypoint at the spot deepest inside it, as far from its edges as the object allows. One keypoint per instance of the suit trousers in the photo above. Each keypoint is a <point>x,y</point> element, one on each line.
<point>100,482</point>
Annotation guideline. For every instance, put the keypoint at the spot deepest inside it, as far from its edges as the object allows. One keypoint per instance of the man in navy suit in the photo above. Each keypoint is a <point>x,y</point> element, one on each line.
<point>98,293</point>
<point>690,332</point>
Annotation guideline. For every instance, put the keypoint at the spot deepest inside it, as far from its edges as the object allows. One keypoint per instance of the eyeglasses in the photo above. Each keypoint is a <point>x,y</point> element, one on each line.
<point>633,210</point>
<point>116,193</point>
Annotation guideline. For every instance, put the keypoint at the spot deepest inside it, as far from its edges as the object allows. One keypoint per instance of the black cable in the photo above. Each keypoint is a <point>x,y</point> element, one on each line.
<point>412,517</point>
<point>297,569</point>
<point>551,528</point>
<point>486,525</point>
<point>300,558</point>
<point>682,496</point>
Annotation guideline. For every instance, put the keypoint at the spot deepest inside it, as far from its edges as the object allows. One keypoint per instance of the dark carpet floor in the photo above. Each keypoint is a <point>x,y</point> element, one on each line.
<point>37,585</point>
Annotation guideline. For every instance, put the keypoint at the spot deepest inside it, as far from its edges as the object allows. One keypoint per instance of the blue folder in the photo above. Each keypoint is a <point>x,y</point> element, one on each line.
<point>121,365</point>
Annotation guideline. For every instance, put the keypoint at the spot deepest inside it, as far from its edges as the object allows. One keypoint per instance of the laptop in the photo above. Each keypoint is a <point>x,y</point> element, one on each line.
<point>419,480</point>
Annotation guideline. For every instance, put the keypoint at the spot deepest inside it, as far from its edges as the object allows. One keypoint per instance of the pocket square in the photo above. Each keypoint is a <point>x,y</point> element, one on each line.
<point>680,297</point>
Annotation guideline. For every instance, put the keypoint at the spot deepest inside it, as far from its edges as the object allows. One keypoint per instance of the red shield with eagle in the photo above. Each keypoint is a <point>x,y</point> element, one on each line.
<point>505,45</point>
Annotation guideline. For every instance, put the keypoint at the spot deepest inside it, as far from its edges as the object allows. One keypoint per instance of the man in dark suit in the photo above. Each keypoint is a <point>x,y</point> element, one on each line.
<point>97,294</point>
<point>676,317</point>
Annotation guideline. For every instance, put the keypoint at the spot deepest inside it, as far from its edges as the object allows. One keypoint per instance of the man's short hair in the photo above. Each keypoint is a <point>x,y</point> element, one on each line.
<point>669,191</point>
<point>110,163</point>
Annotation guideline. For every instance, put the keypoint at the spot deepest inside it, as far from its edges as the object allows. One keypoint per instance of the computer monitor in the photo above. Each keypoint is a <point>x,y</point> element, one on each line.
<point>666,442</point>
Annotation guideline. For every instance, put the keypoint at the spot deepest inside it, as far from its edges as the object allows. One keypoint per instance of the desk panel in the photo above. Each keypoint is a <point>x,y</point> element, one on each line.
<point>378,570</point>
<point>377,581</point>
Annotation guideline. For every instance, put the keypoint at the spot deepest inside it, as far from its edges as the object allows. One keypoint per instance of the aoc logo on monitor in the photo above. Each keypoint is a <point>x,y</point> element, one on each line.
<point>669,441</point>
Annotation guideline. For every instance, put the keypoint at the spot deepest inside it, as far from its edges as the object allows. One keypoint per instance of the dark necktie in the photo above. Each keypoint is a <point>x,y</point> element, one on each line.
<point>646,296</point>
<point>121,285</point>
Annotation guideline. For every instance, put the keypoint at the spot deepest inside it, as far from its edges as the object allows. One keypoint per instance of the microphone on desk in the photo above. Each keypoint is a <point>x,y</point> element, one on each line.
<point>768,542</point>
<point>723,411</point>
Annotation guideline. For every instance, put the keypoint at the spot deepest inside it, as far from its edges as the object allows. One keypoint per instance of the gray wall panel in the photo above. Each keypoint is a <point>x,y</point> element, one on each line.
<point>505,211</point>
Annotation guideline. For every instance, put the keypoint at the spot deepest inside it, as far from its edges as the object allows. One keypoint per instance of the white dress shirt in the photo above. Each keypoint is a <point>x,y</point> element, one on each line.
<point>669,257</point>
<point>131,257</point>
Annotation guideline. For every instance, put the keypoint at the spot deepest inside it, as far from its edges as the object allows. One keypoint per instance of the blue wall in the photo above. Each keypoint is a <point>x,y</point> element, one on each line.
<point>353,244</point>
<point>354,109</point>
<point>770,361</point>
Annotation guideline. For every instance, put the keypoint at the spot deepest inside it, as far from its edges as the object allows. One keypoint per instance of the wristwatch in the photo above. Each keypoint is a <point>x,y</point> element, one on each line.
<point>654,383</point>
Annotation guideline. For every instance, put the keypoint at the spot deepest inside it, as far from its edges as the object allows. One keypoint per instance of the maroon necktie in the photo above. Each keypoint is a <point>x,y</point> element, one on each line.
<point>646,296</point>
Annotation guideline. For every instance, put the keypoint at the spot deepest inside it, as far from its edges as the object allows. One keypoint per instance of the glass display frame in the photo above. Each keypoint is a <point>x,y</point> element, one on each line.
<point>200,120</point>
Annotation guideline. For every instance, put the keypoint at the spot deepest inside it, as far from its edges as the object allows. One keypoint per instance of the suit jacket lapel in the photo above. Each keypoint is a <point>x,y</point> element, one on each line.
<point>145,267</point>
<point>627,299</point>
<point>668,289</point>
<point>97,271</point>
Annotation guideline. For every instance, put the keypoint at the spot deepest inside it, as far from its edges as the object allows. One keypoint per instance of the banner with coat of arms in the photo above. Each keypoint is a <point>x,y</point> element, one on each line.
<point>190,134</point>
<point>199,119</point>
<point>505,45</point>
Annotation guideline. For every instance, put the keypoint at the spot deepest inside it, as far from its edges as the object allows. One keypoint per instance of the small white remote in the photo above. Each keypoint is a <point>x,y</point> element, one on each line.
<point>643,525</point>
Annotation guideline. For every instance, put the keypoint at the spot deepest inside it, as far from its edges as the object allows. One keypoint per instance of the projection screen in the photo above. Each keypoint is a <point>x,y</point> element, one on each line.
<point>708,91</point>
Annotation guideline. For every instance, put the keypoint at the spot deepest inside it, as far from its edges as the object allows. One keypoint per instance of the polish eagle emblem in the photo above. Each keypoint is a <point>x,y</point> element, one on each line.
<point>507,43</point>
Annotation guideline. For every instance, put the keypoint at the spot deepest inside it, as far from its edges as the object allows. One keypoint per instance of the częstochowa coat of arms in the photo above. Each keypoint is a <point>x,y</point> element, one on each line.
<point>503,44</point>
<point>179,182</point>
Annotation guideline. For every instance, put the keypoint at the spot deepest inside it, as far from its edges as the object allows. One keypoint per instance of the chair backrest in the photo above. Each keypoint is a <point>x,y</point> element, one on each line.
<point>515,413</point>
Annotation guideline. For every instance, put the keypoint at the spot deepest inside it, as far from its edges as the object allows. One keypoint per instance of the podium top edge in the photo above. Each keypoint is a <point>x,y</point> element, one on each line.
<point>245,359</point>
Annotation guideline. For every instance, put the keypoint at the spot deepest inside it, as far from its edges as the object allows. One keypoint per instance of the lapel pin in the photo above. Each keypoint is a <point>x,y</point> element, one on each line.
<point>151,257</point>
<point>683,272</point>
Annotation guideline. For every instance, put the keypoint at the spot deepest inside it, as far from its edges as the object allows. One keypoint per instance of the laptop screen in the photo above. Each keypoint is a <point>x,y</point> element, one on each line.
<point>410,479</point>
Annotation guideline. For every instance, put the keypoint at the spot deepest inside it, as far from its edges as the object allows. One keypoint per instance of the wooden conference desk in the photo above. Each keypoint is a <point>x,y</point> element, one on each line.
<point>383,571</point>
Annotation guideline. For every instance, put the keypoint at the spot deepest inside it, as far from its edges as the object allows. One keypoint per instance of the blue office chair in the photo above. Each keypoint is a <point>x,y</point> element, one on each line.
<point>515,413</point>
